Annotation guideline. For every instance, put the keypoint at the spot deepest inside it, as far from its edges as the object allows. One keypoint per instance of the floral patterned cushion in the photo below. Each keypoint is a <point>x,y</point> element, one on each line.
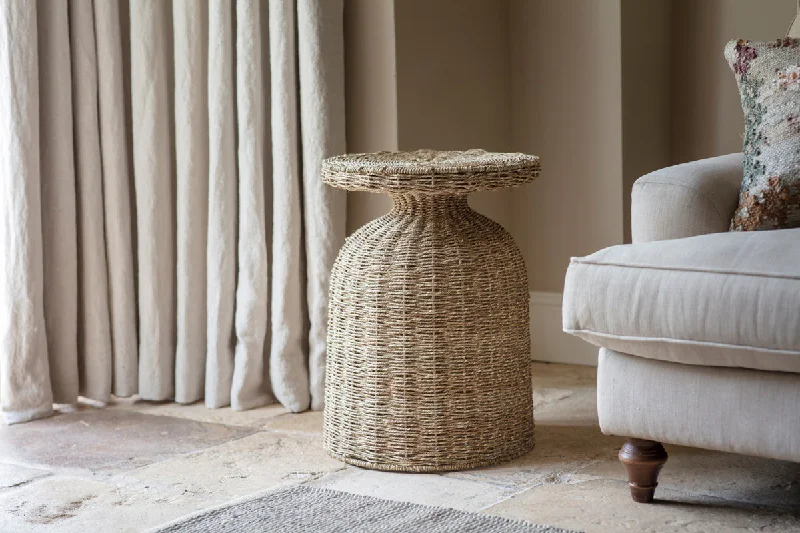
<point>768,75</point>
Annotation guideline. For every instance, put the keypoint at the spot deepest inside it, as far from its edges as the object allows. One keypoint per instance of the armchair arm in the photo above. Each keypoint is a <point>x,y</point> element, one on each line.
<point>686,200</point>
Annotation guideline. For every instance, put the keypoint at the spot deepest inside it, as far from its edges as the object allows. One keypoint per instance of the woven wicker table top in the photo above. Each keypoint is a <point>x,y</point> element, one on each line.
<point>429,171</point>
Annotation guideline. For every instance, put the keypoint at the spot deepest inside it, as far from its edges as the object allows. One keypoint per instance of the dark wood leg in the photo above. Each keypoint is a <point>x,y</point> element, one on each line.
<point>642,460</point>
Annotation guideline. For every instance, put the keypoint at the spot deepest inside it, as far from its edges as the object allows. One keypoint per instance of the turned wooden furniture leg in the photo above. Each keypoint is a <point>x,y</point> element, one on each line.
<point>642,460</point>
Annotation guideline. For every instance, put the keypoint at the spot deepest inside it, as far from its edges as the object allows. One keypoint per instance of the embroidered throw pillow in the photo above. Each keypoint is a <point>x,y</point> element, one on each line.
<point>768,75</point>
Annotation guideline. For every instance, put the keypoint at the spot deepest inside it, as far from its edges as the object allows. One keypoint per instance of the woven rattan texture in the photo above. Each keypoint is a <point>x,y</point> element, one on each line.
<point>430,171</point>
<point>428,341</point>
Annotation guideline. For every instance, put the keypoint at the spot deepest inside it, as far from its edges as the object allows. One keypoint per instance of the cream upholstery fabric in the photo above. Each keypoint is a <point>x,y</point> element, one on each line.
<point>727,299</point>
<point>729,409</point>
<point>706,298</point>
<point>686,200</point>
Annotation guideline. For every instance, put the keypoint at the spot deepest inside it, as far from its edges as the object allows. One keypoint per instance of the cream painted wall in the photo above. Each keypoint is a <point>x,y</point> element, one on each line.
<point>453,82</point>
<point>566,100</point>
<point>706,107</point>
<point>646,97</point>
<point>421,74</point>
<point>370,95</point>
<point>604,91</point>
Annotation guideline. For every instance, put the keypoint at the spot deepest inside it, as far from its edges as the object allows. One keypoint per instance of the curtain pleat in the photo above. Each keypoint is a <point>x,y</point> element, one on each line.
<point>155,205</point>
<point>266,146</point>
<point>116,197</point>
<point>190,23</point>
<point>25,391</point>
<point>59,230</point>
<point>288,364</point>
<point>222,187</point>
<point>321,61</point>
<point>249,387</point>
<point>94,327</point>
<point>178,248</point>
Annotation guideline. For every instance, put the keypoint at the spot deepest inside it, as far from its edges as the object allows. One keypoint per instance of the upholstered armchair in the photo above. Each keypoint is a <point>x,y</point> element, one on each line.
<point>698,327</point>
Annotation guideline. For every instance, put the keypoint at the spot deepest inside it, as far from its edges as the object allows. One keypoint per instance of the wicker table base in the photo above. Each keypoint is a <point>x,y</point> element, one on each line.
<point>428,340</point>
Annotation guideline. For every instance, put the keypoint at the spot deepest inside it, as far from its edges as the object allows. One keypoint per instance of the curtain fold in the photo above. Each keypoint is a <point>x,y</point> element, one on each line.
<point>25,391</point>
<point>155,204</point>
<point>94,331</point>
<point>117,199</point>
<point>59,229</point>
<point>249,387</point>
<point>288,366</point>
<point>180,251</point>
<point>190,21</point>
<point>222,214</point>
<point>321,116</point>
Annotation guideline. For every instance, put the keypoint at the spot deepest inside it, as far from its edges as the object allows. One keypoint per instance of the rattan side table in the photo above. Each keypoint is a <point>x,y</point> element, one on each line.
<point>428,363</point>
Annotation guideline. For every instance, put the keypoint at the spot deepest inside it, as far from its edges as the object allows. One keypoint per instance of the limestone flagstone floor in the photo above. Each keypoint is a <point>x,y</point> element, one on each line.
<point>133,466</point>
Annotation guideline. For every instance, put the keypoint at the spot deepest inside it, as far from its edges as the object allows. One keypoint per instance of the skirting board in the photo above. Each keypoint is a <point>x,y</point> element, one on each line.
<point>548,342</point>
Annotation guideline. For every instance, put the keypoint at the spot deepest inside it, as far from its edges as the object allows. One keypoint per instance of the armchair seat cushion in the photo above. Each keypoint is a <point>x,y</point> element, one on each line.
<point>723,299</point>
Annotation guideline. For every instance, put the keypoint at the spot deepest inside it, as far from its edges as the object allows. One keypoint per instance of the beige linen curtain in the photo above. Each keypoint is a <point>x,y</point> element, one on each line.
<point>163,228</point>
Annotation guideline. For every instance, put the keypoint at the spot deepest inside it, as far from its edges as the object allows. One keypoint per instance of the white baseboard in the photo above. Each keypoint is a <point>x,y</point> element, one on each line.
<point>548,341</point>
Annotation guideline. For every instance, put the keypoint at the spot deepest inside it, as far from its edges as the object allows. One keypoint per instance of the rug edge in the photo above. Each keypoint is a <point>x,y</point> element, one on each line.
<point>302,487</point>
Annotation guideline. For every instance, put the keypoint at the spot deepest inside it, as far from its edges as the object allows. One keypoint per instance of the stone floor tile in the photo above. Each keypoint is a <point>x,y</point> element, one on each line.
<point>577,409</point>
<point>729,476</point>
<point>426,489</point>
<point>108,440</point>
<point>215,475</point>
<point>547,396</point>
<point>65,504</point>
<point>553,375</point>
<point>560,453</point>
<point>255,418</point>
<point>12,475</point>
<point>604,506</point>
<point>309,422</point>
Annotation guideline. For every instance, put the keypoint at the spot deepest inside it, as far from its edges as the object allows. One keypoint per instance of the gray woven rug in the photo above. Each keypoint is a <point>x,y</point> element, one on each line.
<point>311,510</point>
